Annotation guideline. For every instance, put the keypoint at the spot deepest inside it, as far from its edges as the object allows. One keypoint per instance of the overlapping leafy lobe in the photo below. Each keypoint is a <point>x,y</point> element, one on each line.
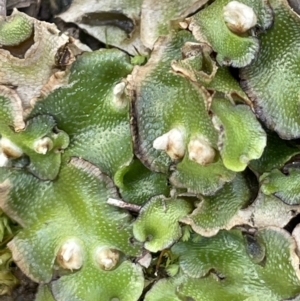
<point>85,109</point>
<point>42,207</point>
<point>158,222</point>
<point>276,153</point>
<point>208,26</point>
<point>226,84</point>
<point>80,211</point>
<point>45,160</point>
<point>187,174</point>
<point>272,80</point>
<point>266,210</point>
<point>137,184</point>
<point>283,186</point>
<point>216,212</point>
<point>196,63</point>
<point>198,179</point>
<point>165,100</point>
<point>230,267</point>
<point>124,283</point>
<point>241,136</point>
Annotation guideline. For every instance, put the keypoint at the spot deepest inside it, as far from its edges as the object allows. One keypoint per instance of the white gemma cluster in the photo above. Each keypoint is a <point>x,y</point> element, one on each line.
<point>8,150</point>
<point>200,151</point>
<point>43,145</point>
<point>239,17</point>
<point>107,258</point>
<point>173,143</point>
<point>70,255</point>
<point>118,95</point>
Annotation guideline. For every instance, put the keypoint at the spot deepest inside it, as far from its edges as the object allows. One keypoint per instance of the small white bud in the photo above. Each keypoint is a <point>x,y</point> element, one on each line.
<point>118,95</point>
<point>43,145</point>
<point>200,151</point>
<point>70,255</point>
<point>9,149</point>
<point>172,143</point>
<point>4,161</point>
<point>107,258</point>
<point>239,17</point>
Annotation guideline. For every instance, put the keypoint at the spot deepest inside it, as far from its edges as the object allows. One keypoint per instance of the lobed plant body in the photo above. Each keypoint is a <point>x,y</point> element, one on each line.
<point>163,168</point>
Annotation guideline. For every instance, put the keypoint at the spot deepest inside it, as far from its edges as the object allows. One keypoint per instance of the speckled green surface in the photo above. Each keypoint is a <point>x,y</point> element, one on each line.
<point>272,79</point>
<point>226,266</point>
<point>158,222</point>
<point>215,212</point>
<point>84,109</point>
<point>92,134</point>
<point>49,221</point>
<point>241,136</point>
<point>18,29</point>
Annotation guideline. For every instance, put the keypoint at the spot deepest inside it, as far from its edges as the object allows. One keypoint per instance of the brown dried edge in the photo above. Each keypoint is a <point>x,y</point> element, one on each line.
<point>191,74</point>
<point>153,9</point>
<point>293,246</point>
<point>39,36</point>
<point>247,88</point>
<point>242,217</point>
<point>247,216</point>
<point>57,80</point>
<point>18,257</point>
<point>135,81</point>
<point>243,73</point>
<point>237,98</point>
<point>294,258</point>
<point>22,263</point>
<point>60,78</point>
<point>91,169</point>
<point>234,221</point>
<point>40,30</point>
